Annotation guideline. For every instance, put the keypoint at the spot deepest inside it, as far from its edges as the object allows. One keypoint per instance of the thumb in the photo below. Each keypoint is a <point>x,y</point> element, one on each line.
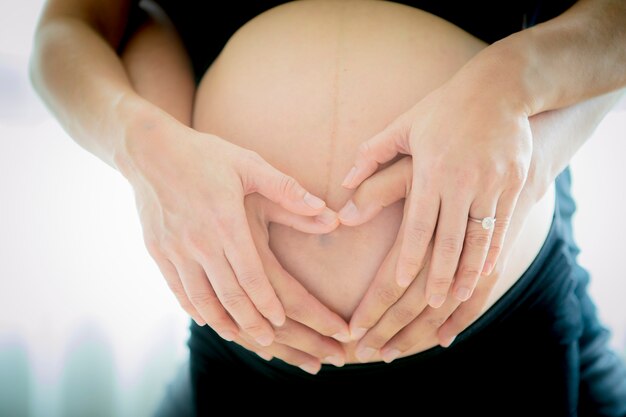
<point>377,192</point>
<point>280,188</point>
<point>380,149</point>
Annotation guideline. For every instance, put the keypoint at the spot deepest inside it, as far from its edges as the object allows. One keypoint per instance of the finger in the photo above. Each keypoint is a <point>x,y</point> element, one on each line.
<point>467,312</point>
<point>381,294</point>
<point>282,189</point>
<point>382,148</point>
<point>324,222</point>
<point>236,301</point>
<point>421,217</point>
<point>420,333</point>
<point>259,350</point>
<point>169,272</point>
<point>246,264</point>
<point>504,212</point>
<point>304,361</point>
<point>204,300</point>
<point>447,249</point>
<point>309,341</point>
<point>400,314</point>
<point>377,192</point>
<point>299,304</point>
<point>475,248</point>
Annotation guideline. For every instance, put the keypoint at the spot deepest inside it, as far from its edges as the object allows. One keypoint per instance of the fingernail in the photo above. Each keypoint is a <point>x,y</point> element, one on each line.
<point>265,340</point>
<point>327,217</point>
<point>436,300</point>
<point>363,354</point>
<point>199,322</point>
<point>348,212</point>
<point>313,202</point>
<point>228,335</point>
<point>277,319</point>
<point>404,281</point>
<point>265,356</point>
<point>487,268</point>
<point>343,337</point>
<point>358,333</point>
<point>463,293</point>
<point>348,180</point>
<point>335,360</point>
<point>312,369</point>
<point>448,342</point>
<point>390,355</point>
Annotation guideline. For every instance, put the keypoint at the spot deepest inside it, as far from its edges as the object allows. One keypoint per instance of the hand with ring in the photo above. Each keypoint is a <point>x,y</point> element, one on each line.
<point>471,151</point>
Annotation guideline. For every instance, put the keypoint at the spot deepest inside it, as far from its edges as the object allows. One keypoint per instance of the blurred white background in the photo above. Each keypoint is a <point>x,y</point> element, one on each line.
<point>87,325</point>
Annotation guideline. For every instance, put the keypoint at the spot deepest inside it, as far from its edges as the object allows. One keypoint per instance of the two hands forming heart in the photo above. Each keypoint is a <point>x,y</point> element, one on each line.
<point>434,281</point>
<point>422,290</point>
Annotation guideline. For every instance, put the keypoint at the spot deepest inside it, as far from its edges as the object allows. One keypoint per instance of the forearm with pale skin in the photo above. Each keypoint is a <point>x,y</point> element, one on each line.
<point>559,134</point>
<point>576,56</point>
<point>78,73</point>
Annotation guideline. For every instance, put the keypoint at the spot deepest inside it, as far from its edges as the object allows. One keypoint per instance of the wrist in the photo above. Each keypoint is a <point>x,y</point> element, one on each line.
<point>506,73</point>
<point>143,128</point>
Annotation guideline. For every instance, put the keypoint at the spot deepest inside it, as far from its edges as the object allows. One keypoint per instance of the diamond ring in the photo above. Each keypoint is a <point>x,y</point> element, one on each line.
<point>488,222</point>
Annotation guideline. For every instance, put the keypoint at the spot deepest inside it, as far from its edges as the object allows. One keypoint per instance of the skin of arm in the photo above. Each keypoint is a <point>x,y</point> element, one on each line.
<point>209,262</point>
<point>563,61</point>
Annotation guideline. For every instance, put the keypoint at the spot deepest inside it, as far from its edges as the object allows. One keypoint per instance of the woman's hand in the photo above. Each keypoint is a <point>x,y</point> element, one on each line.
<point>190,190</point>
<point>472,149</point>
<point>391,319</point>
<point>308,336</point>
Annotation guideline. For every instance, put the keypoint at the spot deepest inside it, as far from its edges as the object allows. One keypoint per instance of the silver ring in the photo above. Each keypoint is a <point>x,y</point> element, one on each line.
<point>487,223</point>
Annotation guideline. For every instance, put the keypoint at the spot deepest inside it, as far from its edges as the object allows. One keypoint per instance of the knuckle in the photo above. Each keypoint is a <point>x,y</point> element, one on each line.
<point>467,177</point>
<point>283,334</point>
<point>251,164</point>
<point>297,310</point>
<point>196,242</point>
<point>255,286</point>
<point>387,295</point>
<point>496,246</point>
<point>224,222</point>
<point>234,300</point>
<point>419,235</point>
<point>220,324</point>
<point>516,173</point>
<point>376,339</point>
<point>153,247</point>
<point>171,245</point>
<point>449,246</point>
<point>287,185</point>
<point>411,263</point>
<point>469,271</point>
<point>253,157</point>
<point>254,327</point>
<point>435,322</point>
<point>440,284</point>
<point>403,314</point>
<point>179,292</point>
<point>201,298</point>
<point>477,238</point>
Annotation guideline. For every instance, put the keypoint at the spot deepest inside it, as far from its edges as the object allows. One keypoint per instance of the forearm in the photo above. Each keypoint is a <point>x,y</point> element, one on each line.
<point>78,73</point>
<point>573,57</point>
<point>559,134</point>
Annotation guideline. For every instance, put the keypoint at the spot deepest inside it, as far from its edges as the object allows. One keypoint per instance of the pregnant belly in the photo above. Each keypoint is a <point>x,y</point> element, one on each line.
<point>303,85</point>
